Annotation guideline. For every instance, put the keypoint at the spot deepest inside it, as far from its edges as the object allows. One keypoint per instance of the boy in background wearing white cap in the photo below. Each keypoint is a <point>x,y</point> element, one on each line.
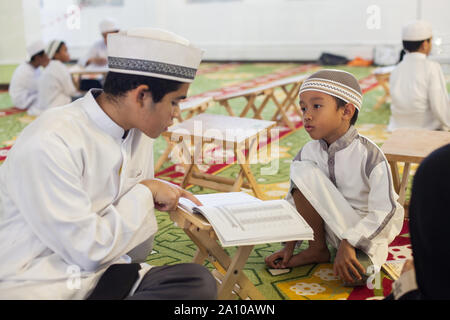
<point>56,87</point>
<point>340,183</point>
<point>78,187</point>
<point>97,55</point>
<point>23,88</point>
<point>417,85</point>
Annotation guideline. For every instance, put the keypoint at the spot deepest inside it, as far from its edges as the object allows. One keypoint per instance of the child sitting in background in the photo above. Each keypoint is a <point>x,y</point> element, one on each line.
<point>56,87</point>
<point>341,184</point>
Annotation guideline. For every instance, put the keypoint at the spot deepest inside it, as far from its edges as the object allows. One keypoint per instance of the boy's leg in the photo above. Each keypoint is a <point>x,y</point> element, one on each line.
<point>317,251</point>
<point>186,281</point>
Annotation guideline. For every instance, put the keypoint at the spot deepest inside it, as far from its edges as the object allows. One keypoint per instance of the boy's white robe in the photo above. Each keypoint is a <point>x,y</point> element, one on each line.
<point>72,202</point>
<point>350,185</point>
<point>56,88</point>
<point>23,88</point>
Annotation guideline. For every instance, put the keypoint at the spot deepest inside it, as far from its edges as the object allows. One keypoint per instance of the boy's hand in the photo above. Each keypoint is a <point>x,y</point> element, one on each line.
<point>166,195</point>
<point>346,262</point>
<point>279,259</point>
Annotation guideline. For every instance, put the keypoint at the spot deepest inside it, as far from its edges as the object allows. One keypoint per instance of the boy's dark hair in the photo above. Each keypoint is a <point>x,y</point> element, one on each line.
<point>39,54</point>
<point>117,84</point>
<point>413,46</point>
<point>341,103</point>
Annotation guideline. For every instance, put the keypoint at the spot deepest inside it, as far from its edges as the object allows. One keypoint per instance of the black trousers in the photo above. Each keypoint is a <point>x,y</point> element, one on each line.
<point>186,281</point>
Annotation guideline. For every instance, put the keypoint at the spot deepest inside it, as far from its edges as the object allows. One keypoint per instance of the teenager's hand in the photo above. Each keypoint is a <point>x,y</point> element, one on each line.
<point>409,265</point>
<point>166,195</point>
<point>346,263</point>
<point>279,259</point>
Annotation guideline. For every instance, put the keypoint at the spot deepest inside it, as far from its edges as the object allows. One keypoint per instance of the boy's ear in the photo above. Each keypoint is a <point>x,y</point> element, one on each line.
<point>141,93</point>
<point>349,111</point>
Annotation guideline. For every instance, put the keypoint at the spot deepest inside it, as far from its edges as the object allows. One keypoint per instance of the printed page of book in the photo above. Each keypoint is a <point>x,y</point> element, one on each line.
<point>257,223</point>
<point>218,199</point>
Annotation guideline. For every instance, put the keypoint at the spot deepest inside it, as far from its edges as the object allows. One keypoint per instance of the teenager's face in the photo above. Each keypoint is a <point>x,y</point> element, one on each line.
<point>155,118</point>
<point>322,118</point>
<point>62,54</point>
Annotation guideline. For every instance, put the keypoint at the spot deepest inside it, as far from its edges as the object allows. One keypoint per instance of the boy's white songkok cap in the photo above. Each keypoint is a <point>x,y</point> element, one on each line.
<point>108,25</point>
<point>154,53</point>
<point>417,31</point>
<point>337,83</point>
<point>35,48</point>
<point>52,47</point>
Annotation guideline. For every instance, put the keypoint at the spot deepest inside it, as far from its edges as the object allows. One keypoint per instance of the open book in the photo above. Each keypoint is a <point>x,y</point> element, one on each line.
<point>240,219</point>
<point>393,268</point>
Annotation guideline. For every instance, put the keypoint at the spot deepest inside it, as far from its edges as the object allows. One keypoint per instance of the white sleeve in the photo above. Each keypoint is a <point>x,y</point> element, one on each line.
<point>20,96</point>
<point>67,83</point>
<point>22,99</point>
<point>438,96</point>
<point>381,209</point>
<point>90,54</point>
<point>50,195</point>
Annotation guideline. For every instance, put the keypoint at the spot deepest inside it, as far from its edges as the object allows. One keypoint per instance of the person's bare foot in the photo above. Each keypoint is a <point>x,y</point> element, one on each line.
<point>308,256</point>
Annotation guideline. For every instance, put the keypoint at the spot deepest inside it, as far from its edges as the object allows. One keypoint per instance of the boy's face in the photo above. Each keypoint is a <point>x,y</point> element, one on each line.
<point>62,54</point>
<point>155,118</point>
<point>321,116</point>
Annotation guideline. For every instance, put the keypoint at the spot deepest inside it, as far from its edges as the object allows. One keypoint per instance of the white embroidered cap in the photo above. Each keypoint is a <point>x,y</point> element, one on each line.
<point>35,48</point>
<point>417,31</point>
<point>153,53</point>
<point>108,25</point>
<point>338,83</point>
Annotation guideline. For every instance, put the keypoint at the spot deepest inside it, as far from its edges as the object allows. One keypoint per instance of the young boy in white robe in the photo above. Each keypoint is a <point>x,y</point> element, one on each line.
<point>23,88</point>
<point>417,85</point>
<point>340,183</point>
<point>56,87</point>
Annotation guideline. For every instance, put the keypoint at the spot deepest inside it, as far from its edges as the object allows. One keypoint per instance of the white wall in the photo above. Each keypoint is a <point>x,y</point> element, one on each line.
<point>12,32</point>
<point>250,29</point>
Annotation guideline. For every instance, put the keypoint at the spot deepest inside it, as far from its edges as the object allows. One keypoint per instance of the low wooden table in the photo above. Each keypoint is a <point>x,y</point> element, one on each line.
<point>229,133</point>
<point>190,108</point>
<point>77,72</point>
<point>268,91</point>
<point>382,75</point>
<point>410,146</point>
<point>228,270</point>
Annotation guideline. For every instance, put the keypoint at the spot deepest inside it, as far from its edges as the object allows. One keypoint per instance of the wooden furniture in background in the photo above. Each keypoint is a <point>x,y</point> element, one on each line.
<point>410,146</point>
<point>290,87</point>
<point>240,135</point>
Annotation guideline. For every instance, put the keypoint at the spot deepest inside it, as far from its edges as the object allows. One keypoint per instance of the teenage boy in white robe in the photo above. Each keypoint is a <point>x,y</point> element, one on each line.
<point>23,88</point>
<point>341,184</point>
<point>78,188</point>
<point>417,85</point>
<point>56,87</point>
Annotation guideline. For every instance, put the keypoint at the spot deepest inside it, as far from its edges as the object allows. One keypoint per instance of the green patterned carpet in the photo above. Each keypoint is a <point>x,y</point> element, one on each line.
<point>173,246</point>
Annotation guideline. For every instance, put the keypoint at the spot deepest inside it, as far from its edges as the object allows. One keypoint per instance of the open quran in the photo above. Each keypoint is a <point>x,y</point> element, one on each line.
<point>240,219</point>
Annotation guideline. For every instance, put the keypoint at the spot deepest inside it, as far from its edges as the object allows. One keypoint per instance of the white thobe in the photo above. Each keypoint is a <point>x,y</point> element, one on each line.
<point>23,88</point>
<point>98,50</point>
<point>56,88</point>
<point>419,94</point>
<point>72,202</point>
<point>350,186</point>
